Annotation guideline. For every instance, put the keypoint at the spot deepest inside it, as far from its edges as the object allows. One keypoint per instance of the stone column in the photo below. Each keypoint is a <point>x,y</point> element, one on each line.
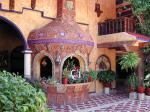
<point>27,63</point>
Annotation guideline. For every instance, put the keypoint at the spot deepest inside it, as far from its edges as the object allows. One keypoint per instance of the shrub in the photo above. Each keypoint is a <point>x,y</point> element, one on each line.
<point>93,74</point>
<point>17,95</point>
<point>133,82</point>
<point>106,76</point>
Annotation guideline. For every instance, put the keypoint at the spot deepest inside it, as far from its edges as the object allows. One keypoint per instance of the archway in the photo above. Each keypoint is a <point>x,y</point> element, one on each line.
<point>103,63</point>
<point>81,63</point>
<point>37,61</point>
<point>11,38</point>
<point>71,62</point>
<point>16,29</point>
<point>46,67</point>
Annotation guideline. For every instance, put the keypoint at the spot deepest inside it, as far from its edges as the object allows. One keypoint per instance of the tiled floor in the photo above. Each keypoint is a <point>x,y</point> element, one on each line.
<point>106,103</point>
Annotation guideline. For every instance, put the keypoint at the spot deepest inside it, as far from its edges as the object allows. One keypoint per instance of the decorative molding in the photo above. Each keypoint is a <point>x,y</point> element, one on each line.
<point>58,40</point>
<point>21,12</point>
<point>42,13</point>
<point>103,63</point>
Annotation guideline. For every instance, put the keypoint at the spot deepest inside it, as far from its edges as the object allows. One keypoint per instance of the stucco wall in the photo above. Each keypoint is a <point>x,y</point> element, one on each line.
<point>84,13</point>
<point>27,20</point>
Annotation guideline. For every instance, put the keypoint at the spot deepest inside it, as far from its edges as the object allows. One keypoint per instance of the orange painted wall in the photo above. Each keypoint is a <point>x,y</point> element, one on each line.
<point>29,20</point>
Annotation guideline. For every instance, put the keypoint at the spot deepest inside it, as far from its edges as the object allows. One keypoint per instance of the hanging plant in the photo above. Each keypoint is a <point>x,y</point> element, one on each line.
<point>129,61</point>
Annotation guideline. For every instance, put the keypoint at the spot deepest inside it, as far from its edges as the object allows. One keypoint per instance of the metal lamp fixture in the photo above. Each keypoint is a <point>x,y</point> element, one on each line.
<point>98,9</point>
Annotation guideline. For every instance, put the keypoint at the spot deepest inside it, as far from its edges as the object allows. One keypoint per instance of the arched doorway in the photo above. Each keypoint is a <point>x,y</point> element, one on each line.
<point>11,39</point>
<point>122,75</point>
<point>46,67</point>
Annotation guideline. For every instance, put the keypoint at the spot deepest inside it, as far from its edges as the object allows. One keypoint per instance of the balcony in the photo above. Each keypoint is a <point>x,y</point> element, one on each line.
<point>123,24</point>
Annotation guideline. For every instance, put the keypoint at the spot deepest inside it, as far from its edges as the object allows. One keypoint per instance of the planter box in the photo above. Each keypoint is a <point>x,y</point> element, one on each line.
<point>107,90</point>
<point>141,96</point>
<point>133,95</point>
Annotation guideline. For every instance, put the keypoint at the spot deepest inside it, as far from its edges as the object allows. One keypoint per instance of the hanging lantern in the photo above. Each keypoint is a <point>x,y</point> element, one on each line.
<point>44,63</point>
<point>33,4</point>
<point>98,9</point>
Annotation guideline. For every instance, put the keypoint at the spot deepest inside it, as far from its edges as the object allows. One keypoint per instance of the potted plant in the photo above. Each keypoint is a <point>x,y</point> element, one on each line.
<point>130,61</point>
<point>92,75</point>
<point>85,76</point>
<point>141,89</point>
<point>66,74</point>
<point>51,81</point>
<point>141,94</point>
<point>133,84</point>
<point>106,77</point>
<point>147,85</point>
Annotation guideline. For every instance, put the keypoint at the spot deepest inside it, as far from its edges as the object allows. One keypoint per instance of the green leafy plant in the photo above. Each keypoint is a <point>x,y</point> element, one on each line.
<point>71,81</point>
<point>85,75</point>
<point>106,76</point>
<point>93,74</point>
<point>17,95</point>
<point>146,50</point>
<point>146,59</point>
<point>129,61</point>
<point>141,10</point>
<point>133,82</point>
<point>66,73</point>
<point>70,65</point>
<point>147,81</point>
<point>51,80</point>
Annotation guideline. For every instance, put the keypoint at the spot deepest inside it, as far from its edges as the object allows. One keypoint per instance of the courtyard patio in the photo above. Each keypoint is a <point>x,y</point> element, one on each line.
<point>115,102</point>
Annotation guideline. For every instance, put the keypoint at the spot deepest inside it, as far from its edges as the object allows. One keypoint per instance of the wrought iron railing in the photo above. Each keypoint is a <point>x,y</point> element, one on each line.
<point>123,24</point>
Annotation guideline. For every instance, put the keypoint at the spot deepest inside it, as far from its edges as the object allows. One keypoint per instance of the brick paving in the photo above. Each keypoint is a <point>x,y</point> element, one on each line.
<point>106,103</point>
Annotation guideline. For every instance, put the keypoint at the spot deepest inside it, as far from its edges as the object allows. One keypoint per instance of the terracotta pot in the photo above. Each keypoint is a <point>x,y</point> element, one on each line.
<point>65,80</point>
<point>141,89</point>
<point>89,78</point>
<point>107,85</point>
<point>148,91</point>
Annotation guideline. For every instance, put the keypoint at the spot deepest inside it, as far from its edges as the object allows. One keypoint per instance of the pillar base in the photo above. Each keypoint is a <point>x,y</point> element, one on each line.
<point>133,95</point>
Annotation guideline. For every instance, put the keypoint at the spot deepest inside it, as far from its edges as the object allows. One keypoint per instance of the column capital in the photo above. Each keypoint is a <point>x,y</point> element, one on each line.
<point>27,51</point>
